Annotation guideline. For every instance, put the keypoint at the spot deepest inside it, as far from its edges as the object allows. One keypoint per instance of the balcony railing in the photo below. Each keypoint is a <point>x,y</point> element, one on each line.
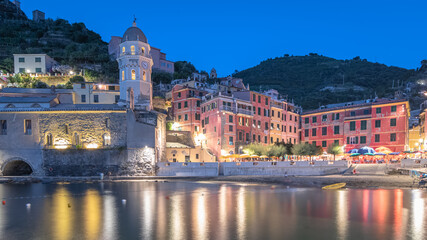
<point>227,108</point>
<point>245,111</point>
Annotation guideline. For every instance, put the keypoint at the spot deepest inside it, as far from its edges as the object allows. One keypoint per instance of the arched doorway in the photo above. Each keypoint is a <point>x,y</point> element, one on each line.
<point>17,168</point>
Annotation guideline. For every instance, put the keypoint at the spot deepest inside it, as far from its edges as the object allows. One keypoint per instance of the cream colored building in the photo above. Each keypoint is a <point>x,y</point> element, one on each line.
<point>33,63</point>
<point>181,148</point>
<point>95,93</point>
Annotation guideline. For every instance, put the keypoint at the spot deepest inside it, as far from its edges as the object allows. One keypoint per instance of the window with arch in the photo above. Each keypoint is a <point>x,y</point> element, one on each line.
<point>76,139</point>
<point>142,50</point>
<point>106,139</point>
<point>123,49</point>
<point>133,74</point>
<point>123,75</point>
<point>132,49</point>
<point>49,139</point>
<point>144,76</point>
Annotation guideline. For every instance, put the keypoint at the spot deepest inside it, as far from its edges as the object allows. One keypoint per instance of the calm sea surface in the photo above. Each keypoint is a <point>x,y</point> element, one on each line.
<point>186,210</point>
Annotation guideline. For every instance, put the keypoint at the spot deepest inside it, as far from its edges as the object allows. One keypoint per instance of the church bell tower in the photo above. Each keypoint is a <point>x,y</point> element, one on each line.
<point>135,66</point>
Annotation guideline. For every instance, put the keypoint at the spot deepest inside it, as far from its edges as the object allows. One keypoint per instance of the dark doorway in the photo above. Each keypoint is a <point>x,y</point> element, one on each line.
<point>17,168</point>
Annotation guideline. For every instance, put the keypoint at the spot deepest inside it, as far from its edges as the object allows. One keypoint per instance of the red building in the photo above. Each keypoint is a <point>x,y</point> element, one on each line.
<point>186,103</point>
<point>373,123</point>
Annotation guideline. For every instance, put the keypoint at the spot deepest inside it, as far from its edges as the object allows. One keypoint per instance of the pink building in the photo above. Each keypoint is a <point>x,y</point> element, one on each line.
<point>226,123</point>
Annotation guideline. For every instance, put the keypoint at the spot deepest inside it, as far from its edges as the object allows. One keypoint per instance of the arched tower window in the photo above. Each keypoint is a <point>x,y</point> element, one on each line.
<point>106,139</point>
<point>132,49</point>
<point>133,74</point>
<point>123,49</point>
<point>142,50</point>
<point>49,140</point>
<point>144,76</point>
<point>123,75</point>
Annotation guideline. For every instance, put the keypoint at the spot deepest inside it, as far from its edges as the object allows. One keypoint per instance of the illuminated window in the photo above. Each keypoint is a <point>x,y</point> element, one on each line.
<point>123,49</point>
<point>144,76</point>
<point>142,50</point>
<point>123,75</point>
<point>132,49</point>
<point>106,139</point>
<point>133,74</point>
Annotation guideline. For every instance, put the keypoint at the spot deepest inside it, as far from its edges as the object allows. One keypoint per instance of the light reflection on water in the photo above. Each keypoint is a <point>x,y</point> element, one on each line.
<point>185,210</point>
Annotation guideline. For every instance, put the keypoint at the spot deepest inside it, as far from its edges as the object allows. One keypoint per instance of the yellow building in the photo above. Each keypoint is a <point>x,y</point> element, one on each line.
<point>415,140</point>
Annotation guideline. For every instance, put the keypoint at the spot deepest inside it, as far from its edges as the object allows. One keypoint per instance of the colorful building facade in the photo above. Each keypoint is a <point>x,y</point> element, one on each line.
<point>373,123</point>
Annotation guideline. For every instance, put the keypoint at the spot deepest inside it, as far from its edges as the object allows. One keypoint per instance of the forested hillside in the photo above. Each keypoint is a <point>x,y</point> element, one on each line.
<point>69,44</point>
<point>315,80</point>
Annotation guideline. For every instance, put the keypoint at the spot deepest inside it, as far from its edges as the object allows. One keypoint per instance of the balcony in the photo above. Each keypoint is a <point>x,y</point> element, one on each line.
<point>227,108</point>
<point>280,106</point>
<point>245,111</point>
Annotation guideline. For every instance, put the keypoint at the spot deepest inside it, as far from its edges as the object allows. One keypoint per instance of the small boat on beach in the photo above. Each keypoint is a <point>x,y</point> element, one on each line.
<point>334,186</point>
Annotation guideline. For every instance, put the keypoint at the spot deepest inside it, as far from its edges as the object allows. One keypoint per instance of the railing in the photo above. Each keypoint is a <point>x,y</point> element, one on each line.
<point>227,108</point>
<point>276,105</point>
<point>244,111</point>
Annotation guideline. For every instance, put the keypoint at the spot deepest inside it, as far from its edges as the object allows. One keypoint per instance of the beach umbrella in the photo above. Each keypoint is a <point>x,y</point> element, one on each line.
<point>364,150</point>
<point>380,154</point>
<point>354,150</point>
<point>394,153</point>
<point>407,151</point>
<point>244,155</point>
<point>355,154</point>
<point>254,156</point>
<point>263,156</point>
<point>369,154</point>
<point>225,156</point>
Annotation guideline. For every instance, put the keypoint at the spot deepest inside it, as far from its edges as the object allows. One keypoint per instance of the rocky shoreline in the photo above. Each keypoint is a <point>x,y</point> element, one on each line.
<point>353,181</point>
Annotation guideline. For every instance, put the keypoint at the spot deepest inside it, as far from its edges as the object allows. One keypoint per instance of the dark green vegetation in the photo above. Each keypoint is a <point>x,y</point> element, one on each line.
<point>69,44</point>
<point>315,80</point>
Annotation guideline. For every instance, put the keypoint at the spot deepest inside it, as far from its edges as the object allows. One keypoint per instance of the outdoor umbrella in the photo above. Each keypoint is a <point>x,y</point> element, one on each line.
<point>394,153</point>
<point>354,154</point>
<point>380,154</point>
<point>244,155</point>
<point>369,154</point>
<point>364,150</point>
<point>354,150</point>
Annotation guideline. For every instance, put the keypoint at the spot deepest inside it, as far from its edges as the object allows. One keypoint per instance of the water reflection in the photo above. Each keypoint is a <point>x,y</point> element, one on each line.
<point>62,213</point>
<point>208,211</point>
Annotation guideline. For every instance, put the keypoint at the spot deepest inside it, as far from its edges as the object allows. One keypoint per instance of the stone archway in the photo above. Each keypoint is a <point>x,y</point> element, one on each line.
<point>16,167</point>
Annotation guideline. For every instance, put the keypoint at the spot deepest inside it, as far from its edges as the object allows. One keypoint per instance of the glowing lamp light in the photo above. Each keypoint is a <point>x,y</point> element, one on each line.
<point>71,72</point>
<point>92,146</point>
<point>28,70</point>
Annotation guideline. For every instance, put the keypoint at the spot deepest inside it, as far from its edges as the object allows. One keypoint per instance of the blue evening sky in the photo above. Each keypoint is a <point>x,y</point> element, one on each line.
<point>230,35</point>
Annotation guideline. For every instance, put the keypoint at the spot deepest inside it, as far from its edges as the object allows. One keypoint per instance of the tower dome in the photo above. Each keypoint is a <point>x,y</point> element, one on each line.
<point>134,34</point>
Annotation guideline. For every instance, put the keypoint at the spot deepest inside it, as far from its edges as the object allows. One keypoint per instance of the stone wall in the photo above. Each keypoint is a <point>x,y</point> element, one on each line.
<point>92,162</point>
<point>89,125</point>
<point>188,169</point>
<point>301,168</point>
